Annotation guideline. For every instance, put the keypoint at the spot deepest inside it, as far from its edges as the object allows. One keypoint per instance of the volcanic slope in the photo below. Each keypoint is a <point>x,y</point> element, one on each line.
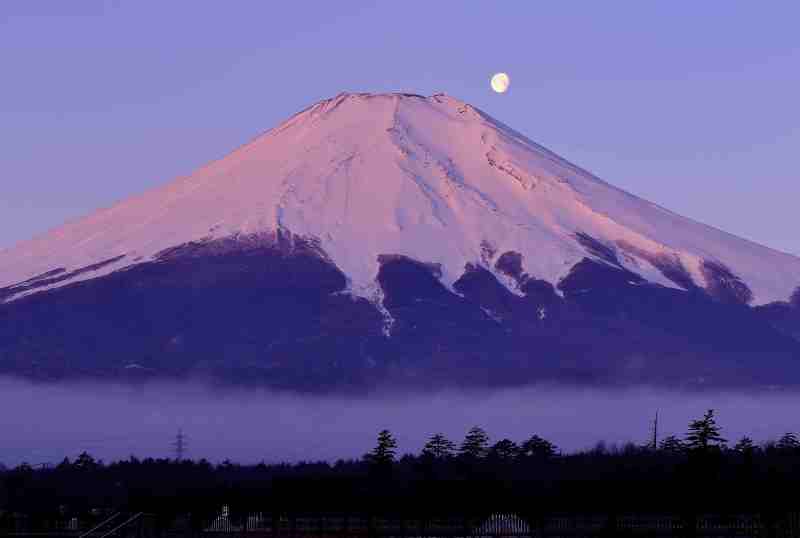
<point>391,236</point>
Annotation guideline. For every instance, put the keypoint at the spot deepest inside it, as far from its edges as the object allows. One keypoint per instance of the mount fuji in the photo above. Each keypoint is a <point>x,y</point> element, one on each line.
<point>401,240</point>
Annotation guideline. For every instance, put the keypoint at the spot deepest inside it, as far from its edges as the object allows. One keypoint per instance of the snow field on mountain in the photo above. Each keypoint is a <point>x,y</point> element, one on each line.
<point>431,178</point>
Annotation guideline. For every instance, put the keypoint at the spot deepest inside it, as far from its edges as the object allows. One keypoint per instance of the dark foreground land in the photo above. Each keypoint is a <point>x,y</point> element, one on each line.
<point>363,525</point>
<point>695,488</point>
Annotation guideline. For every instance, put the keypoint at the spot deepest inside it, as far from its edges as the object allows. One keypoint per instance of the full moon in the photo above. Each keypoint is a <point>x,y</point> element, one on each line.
<point>500,82</point>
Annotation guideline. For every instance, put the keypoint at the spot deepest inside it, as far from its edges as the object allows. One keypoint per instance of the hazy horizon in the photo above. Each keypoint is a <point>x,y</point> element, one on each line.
<point>112,421</point>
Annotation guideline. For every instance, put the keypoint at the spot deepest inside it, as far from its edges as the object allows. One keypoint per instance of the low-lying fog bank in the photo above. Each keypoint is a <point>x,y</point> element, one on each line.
<point>44,423</point>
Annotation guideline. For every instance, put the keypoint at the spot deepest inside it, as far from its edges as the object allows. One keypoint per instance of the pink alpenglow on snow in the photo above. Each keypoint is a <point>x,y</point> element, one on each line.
<point>429,178</point>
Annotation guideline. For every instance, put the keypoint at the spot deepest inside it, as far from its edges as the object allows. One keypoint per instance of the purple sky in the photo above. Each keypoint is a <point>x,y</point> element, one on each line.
<point>692,105</point>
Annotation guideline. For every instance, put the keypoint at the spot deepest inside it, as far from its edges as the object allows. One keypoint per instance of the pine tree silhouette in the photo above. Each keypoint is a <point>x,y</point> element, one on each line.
<point>504,450</point>
<point>672,445</point>
<point>475,445</point>
<point>788,442</point>
<point>537,447</point>
<point>745,445</point>
<point>704,434</point>
<point>384,452</point>
<point>439,447</point>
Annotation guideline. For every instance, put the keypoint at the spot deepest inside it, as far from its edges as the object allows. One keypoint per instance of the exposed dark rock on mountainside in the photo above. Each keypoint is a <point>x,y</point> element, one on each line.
<point>398,240</point>
<point>275,314</point>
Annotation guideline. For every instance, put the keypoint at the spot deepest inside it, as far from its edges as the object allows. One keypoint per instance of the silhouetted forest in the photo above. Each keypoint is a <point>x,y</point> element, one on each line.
<point>700,472</point>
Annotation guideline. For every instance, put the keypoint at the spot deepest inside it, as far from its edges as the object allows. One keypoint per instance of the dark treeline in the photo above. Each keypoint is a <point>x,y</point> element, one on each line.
<point>701,472</point>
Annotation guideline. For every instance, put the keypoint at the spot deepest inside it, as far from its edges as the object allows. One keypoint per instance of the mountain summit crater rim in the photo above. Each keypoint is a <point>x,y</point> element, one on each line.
<point>430,178</point>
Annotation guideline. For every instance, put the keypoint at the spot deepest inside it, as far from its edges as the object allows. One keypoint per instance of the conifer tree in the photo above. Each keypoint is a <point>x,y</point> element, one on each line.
<point>475,445</point>
<point>439,447</point>
<point>85,462</point>
<point>384,452</point>
<point>745,445</point>
<point>704,434</point>
<point>537,447</point>
<point>672,445</point>
<point>504,450</point>
<point>788,442</point>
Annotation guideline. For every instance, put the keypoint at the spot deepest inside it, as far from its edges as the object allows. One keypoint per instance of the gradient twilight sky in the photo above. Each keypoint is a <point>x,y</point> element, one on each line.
<point>692,105</point>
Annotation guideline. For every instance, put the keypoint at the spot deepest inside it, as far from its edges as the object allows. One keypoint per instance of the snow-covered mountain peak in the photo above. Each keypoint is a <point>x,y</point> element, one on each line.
<point>430,178</point>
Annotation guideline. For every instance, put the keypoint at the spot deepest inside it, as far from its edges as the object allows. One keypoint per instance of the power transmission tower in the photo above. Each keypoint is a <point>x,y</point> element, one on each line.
<point>180,445</point>
<point>655,432</point>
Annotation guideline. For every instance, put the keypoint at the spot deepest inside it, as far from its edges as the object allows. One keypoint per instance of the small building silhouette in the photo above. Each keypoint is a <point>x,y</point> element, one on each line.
<point>503,525</point>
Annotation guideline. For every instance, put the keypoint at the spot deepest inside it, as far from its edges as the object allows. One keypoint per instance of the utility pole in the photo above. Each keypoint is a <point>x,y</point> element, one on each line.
<point>180,445</point>
<point>655,432</point>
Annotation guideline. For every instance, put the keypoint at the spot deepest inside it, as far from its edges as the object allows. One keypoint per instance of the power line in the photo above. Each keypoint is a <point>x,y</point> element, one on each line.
<point>655,432</point>
<point>179,445</point>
